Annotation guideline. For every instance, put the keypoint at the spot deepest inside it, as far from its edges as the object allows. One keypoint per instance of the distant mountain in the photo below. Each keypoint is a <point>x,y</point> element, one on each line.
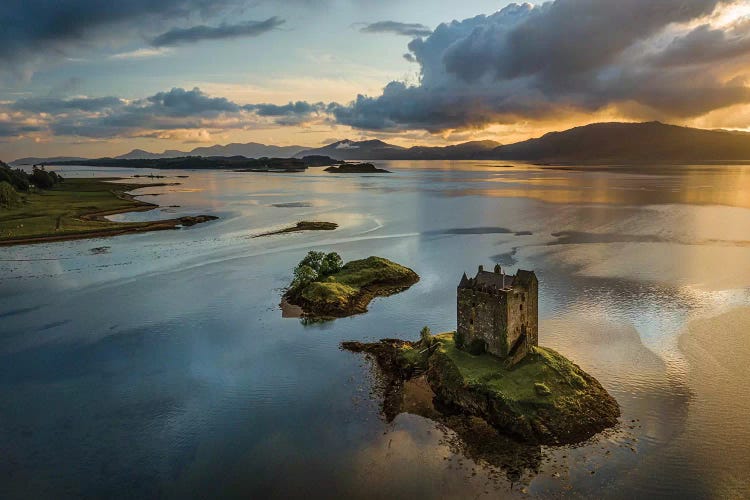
<point>596,143</point>
<point>248,150</point>
<point>630,142</point>
<point>379,150</point>
<point>355,150</point>
<point>34,160</point>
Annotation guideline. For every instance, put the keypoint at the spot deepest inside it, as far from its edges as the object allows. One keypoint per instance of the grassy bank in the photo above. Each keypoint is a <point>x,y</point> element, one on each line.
<point>76,209</point>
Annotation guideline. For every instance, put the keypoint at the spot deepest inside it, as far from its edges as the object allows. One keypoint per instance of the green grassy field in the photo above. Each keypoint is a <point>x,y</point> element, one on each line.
<point>74,207</point>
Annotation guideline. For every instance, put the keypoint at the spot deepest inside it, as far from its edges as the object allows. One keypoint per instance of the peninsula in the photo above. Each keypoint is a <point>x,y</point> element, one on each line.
<point>77,209</point>
<point>492,368</point>
<point>326,288</point>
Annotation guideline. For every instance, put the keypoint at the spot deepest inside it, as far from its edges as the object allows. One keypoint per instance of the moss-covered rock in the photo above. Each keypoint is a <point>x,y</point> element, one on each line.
<point>350,290</point>
<point>544,399</point>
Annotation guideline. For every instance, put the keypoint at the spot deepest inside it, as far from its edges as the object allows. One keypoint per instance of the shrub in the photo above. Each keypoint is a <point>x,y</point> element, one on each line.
<point>426,336</point>
<point>8,196</point>
<point>42,179</point>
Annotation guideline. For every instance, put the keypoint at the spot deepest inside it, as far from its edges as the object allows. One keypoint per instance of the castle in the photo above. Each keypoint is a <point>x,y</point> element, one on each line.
<point>498,314</point>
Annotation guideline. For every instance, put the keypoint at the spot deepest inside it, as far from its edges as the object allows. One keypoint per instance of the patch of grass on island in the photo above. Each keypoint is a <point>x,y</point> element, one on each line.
<point>521,383</point>
<point>76,209</point>
<point>322,286</point>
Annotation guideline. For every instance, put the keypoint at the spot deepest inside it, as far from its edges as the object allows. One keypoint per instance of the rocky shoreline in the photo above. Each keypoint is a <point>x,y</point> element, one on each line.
<point>546,399</point>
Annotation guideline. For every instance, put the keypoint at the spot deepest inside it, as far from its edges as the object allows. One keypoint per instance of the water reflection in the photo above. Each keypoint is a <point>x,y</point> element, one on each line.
<point>170,371</point>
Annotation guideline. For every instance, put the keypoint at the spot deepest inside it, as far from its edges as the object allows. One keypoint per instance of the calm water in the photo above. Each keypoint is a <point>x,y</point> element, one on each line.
<point>162,366</point>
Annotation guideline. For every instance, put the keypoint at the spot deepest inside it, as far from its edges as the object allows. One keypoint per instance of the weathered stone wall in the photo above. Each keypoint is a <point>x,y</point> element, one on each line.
<point>523,319</point>
<point>482,316</point>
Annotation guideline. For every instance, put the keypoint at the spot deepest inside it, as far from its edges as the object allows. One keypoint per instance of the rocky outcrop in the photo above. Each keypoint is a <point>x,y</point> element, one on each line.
<point>545,399</point>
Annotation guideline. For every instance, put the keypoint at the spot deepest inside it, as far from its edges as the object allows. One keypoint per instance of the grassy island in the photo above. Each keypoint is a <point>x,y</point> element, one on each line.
<point>76,209</point>
<point>323,287</point>
<point>544,399</point>
<point>303,226</point>
<point>357,168</point>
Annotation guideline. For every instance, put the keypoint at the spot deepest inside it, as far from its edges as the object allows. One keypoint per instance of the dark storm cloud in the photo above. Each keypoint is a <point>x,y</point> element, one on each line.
<point>533,62</point>
<point>194,34</point>
<point>34,28</point>
<point>406,29</point>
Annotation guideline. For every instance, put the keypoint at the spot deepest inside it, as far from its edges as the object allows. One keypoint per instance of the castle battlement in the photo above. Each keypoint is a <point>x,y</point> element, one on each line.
<point>498,313</point>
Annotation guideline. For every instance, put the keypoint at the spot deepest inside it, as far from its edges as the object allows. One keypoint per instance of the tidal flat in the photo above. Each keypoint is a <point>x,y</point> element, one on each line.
<point>162,367</point>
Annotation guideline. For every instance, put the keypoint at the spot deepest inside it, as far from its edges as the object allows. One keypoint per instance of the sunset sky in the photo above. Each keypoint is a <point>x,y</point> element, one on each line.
<point>94,78</point>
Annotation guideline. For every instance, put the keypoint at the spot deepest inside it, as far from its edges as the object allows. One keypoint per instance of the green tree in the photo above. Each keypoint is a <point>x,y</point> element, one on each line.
<point>331,264</point>
<point>42,179</point>
<point>8,196</point>
<point>303,276</point>
<point>314,260</point>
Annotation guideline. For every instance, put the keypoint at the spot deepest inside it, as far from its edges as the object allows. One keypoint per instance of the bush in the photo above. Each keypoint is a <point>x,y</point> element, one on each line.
<point>426,336</point>
<point>8,196</point>
<point>42,179</point>
<point>16,178</point>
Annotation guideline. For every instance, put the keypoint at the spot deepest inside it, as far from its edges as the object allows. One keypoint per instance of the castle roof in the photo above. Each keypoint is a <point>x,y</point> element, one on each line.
<point>498,280</point>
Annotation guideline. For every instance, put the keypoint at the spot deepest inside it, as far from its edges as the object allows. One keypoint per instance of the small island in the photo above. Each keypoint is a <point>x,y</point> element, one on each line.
<point>357,168</point>
<point>42,207</point>
<point>495,370</point>
<point>304,225</point>
<point>324,287</point>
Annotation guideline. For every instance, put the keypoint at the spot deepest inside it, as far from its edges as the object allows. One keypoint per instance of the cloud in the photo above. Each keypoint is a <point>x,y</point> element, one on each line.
<point>141,53</point>
<point>176,113</point>
<point>565,56</point>
<point>32,27</point>
<point>406,29</point>
<point>179,36</point>
<point>52,105</point>
<point>705,44</point>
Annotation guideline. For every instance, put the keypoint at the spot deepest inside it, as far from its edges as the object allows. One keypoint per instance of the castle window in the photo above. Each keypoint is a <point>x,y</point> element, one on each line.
<point>520,307</point>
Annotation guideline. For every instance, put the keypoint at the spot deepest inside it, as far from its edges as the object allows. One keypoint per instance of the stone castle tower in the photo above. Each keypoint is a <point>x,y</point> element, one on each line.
<point>498,314</point>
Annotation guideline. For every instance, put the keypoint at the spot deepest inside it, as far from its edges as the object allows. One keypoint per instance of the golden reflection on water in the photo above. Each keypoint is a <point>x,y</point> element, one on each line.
<point>714,185</point>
